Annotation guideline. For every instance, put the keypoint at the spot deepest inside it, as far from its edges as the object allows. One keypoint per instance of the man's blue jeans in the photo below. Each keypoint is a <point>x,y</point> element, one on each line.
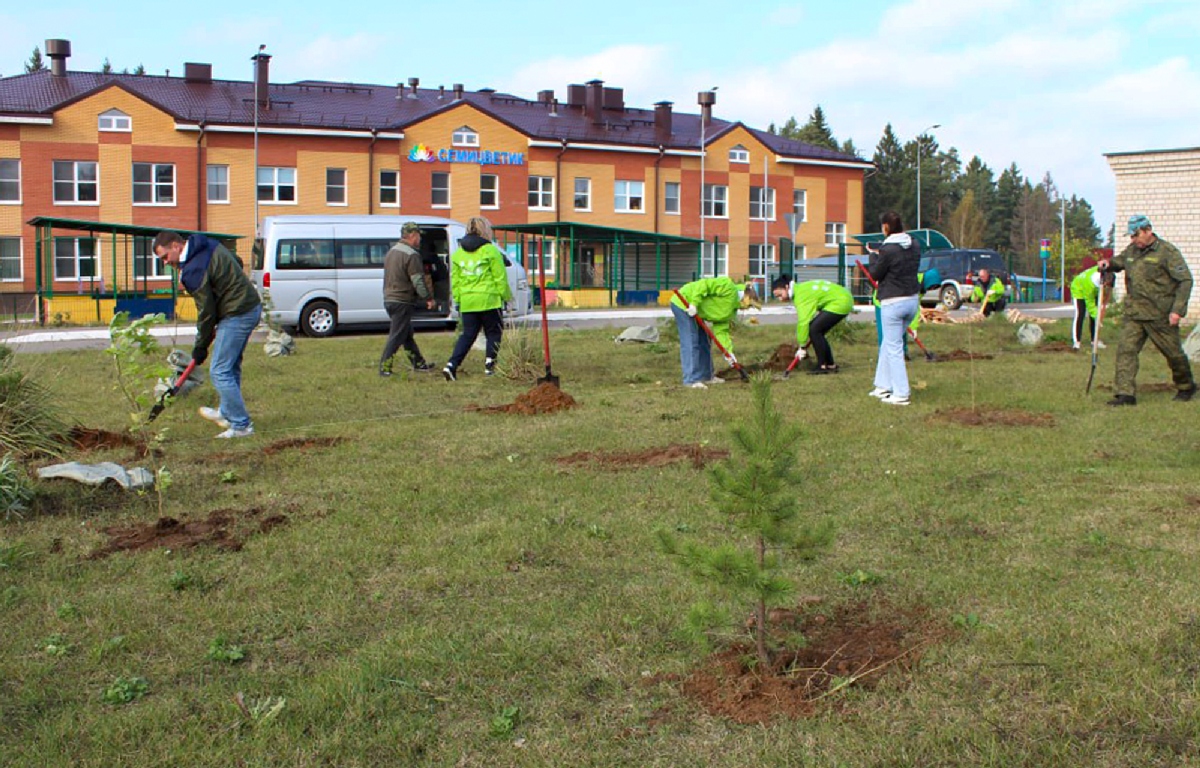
<point>890,373</point>
<point>695,350</point>
<point>225,370</point>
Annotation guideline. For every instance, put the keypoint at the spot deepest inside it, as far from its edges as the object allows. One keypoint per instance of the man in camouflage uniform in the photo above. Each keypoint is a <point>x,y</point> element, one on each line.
<point>1157,286</point>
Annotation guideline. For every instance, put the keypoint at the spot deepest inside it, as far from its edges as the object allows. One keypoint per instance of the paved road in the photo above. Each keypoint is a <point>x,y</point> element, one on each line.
<point>47,340</point>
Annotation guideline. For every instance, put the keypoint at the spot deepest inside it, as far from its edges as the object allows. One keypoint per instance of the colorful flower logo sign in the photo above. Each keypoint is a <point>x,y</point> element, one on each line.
<point>421,154</point>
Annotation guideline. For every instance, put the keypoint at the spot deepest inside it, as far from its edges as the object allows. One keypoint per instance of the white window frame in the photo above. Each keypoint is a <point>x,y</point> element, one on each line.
<point>625,192</point>
<point>464,137</point>
<point>800,205</point>
<point>19,257</point>
<point>114,121</point>
<point>275,184</point>
<point>74,181</point>
<point>551,247</point>
<point>707,267</point>
<point>434,189</point>
<point>143,252</point>
<point>491,189</point>
<point>389,187</point>
<point>799,251</point>
<point>835,233</point>
<point>713,202</point>
<point>541,193</point>
<point>219,184</point>
<point>668,197</point>
<point>155,186</point>
<point>765,203</point>
<point>739,154</point>
<point>15,163</point>
<point>77,259</point>
<point>767,261</point>
<point>344,187</point>
<point>585,194</point>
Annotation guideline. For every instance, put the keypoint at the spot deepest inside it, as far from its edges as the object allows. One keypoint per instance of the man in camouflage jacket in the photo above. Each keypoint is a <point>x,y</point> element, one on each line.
<point>1158,284</point>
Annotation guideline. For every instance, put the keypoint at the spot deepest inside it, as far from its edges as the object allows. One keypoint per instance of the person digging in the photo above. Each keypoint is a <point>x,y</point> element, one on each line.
<point>820,305</point>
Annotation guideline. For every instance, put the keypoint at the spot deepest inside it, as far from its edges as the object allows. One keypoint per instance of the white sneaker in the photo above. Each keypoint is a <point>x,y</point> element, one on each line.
<point>880,392</point>
<point>894,400</point>
<point>231,432</point>
<point>1075,346</point>
<point>213,415</point>
<point>696,385</point>
<point>715,380</point>
<point>1101,345</point>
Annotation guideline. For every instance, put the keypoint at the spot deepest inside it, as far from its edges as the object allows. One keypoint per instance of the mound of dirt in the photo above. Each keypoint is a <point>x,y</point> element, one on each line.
<point>697,454</point>
<point>1056,346</point>
<point>855,645</point>
<point>88,439</point>
<point>226,529</point>
<point>544,398</point>
<point>781,358</point>
<point>301,444</point>
<point>993,418</point>
<point>958,356</point>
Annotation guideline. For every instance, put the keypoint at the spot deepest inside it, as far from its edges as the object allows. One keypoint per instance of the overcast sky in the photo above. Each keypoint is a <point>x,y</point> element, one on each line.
<point>1048,84</point>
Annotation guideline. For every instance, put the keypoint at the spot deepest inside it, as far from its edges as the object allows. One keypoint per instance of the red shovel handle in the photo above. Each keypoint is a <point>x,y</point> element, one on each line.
<point>708,332</point>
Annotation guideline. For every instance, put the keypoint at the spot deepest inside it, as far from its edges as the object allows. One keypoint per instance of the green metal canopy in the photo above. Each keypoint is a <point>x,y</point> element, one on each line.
<point>928,238</point>
<point>105,227</point>
<point>593,233</point>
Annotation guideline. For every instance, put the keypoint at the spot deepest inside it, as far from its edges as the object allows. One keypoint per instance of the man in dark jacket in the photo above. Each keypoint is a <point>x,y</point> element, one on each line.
<point>403,282</point>
<point>227,312</point>
<point>1158,285</point>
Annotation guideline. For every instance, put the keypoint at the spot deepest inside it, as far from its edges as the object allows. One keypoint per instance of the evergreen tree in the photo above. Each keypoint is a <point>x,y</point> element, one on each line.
<point>848,148</point>
<point>816,131</point>
<point>1081,222</point>
<point>967,225</point>
<point>790,129</point>
<point>140,70</point>
<point>1036,217</point>
<point>977,179</point>
<point>1009,190</point>
<point>106,68</point>
<point>35,63</point>
<point>883,189</point>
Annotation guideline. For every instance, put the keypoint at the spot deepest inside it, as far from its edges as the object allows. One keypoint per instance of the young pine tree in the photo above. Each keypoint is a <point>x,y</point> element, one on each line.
<point>758,490</point>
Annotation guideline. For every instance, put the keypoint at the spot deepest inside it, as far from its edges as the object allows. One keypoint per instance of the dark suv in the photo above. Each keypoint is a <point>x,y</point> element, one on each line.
<point>958,268</point>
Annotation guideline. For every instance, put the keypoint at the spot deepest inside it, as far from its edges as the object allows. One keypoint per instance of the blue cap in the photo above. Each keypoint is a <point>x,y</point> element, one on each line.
<point>1138,222</point>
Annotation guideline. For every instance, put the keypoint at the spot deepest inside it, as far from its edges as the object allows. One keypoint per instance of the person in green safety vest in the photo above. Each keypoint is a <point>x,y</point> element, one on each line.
<point>992,289</point>
<point>717,300</point>
<point>820,305</point>
<point>1085,290</point>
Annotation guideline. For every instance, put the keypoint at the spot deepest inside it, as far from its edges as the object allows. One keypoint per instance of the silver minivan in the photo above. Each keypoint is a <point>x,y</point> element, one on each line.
<point>324,272</point>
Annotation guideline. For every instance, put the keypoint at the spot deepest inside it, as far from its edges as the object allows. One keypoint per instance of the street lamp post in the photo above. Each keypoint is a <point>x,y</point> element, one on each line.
<point>919,135</point>
<point>257,59</point>
<point>705,99</point>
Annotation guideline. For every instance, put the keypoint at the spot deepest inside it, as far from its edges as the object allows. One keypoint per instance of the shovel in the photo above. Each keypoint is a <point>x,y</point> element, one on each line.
<point>549,378</point>
<point>1096,340</point>
<point>729,358</point>
<point>174,390</point>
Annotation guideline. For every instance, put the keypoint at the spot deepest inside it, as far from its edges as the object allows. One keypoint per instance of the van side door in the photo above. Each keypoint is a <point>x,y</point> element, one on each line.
<point>360,280</point>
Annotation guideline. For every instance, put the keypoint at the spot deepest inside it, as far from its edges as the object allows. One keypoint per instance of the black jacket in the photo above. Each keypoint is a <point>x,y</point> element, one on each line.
<point>894,267</point>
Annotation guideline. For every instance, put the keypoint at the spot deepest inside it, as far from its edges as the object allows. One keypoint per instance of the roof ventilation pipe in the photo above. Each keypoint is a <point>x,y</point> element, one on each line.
<point>458,91</point>
<point>58,52</point>
<point>595,101</point>
<point>413,82</point>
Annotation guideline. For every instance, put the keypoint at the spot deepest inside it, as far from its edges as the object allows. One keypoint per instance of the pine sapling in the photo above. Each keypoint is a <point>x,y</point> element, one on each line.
<point>757,488</point>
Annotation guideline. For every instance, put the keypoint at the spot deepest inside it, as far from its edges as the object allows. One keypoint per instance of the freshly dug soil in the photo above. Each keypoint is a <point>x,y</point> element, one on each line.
<point>697,454</point>
<point>854,645</point>
<point>226,529</point>
<point>1161,386</point>
<point>958,356</point>
<point>778,362</point>
<point>1057,346</point>
<point>88,439</point>
<point>544,398</point>
<point>301,444</point>
<point>993,417</point>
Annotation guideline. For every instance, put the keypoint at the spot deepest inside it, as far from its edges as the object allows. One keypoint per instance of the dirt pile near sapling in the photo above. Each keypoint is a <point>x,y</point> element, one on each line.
<point>697,454</point>
<point>1057,346</point>
<point>782,357</point>
<point>996,417</point>
<point>225,529</point>
<point>958,356</point>
<point>89,439</point>
<point>544,398</point>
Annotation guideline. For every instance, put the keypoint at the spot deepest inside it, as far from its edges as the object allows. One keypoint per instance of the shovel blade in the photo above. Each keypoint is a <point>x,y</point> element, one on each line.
<point>550,379</point>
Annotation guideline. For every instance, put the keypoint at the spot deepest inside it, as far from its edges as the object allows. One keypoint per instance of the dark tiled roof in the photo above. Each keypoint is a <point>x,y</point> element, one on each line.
<point>320,104</point>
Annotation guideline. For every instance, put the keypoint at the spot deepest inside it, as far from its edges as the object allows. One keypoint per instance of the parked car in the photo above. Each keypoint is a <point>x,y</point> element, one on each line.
<point>325,272</point>
<point>958,268</point>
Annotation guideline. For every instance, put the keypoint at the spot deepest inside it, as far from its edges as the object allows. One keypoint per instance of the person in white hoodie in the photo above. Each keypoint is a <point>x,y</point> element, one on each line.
<point>894,268</point>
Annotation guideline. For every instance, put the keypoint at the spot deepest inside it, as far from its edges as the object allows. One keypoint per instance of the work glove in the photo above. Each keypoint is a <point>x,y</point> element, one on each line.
<point>691,310</point>
<point>801,354</point>
<point>731,360</point>
<point>199,355</point>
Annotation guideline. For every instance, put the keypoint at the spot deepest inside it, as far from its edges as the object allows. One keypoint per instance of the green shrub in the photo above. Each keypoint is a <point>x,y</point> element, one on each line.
<point>30,423</point>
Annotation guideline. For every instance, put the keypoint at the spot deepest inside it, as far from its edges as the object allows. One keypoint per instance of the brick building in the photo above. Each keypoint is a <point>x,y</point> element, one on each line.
<point>180,152</point>
<point>1164,185</point>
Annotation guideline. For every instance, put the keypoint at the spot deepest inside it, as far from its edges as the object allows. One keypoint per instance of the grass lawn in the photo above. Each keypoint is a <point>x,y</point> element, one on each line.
<point>406,582</point>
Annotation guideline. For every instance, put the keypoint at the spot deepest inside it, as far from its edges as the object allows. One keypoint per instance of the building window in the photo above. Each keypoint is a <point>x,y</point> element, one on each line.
<point>465,137</point>
<point>671,197</point>
<point>762,203</point>
<point>75,258</point>
<point>218,183</point>
<point>541,193</point>
<point>114,120</point>
<point>545,248</point>
<point>276,185</point>
<point>439,189</point>
<point>153,184</point>
<point>583,194</point>
<point>389,189</point>
<point>762,257</point>
<point>835,233</point>
<point>10,181</point>
<point>714,259</point>
<point>800,205</point>
<point>716,201</point>
<point>145,263</point>
<point>799,252</point>
<point>335,186</point>
<point>739,154</point>
<point>489,190</point>
<point>10,259</point>
<point>76,181</point>
<point>629,196</point>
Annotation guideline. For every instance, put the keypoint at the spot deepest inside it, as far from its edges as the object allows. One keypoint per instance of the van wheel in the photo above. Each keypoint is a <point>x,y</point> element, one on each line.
<point>949,296</point>
<point>319,319</point>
